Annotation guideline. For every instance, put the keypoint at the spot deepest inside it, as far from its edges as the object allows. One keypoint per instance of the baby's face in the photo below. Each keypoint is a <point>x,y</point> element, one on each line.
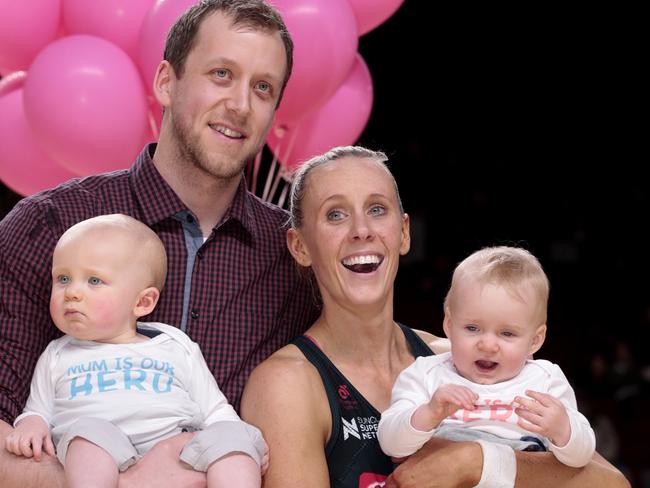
<point>95,287</point>
<point>492,331</point>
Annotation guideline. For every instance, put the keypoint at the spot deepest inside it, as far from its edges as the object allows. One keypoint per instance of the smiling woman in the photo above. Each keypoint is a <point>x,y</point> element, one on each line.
<point>318,401</point>
<point>348,227</point>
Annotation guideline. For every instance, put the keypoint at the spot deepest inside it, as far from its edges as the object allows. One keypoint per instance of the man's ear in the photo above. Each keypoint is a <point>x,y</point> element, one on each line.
<point>297,248</point>
<point>406,235</point>
<point>146,302</point>
<point>538,339</point>
<point>163,83</point>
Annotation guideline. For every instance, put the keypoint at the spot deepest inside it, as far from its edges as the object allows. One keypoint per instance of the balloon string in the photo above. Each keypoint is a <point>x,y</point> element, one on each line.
<point>292,141</point>
<point>277,170</point>
<point>276,181</point>
<point>283,196</point>
<point>269,178</point>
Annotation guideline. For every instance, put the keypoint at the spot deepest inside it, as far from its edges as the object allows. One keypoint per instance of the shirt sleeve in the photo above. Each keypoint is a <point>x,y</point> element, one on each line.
<point>397,437</point>
<point>582,443</point>
<point>26,244</point>
<point>206,392</point>
<point>42,390</point>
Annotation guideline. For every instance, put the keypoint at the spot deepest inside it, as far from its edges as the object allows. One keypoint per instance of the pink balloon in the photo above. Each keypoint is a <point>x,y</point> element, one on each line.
<point>26,27</point>
<point>153,33</point>
<point>85,102</point>
<point>118,21</point>
<point>24,167</point>
<point>339,122</point>
<point>371,13</point>
<point>326,40</point>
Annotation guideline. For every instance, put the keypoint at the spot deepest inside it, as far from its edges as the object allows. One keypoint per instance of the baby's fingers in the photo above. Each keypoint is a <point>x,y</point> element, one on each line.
<point>12,443</point>
<point>48,446</point>
<point>25,447</point>
<point>37,444</point>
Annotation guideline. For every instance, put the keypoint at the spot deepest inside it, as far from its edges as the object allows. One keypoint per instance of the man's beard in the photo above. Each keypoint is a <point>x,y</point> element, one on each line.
<point>190,150</point>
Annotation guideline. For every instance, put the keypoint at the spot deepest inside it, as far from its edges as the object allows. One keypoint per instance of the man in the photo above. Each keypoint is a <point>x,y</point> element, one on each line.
<point>232,286</point>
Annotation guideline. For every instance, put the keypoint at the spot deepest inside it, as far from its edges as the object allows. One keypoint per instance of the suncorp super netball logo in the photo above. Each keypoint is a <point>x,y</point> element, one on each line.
<point>372,480</point>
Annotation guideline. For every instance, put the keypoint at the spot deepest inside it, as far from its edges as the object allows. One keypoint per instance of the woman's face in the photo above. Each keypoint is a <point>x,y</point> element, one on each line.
<point>353,232</point>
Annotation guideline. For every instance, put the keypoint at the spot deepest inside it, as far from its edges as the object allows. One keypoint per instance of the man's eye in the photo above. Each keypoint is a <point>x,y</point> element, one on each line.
<point>264,86</point>
<point>221,73</point>
<point>94,281</point>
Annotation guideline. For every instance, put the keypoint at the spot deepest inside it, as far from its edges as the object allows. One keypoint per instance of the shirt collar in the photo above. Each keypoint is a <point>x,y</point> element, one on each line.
<point>155,197</point>
<point>158,201</point>
<point>241,210</point>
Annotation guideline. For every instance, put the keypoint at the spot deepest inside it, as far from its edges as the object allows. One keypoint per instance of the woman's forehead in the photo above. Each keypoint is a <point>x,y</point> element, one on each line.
<point>350,174</point>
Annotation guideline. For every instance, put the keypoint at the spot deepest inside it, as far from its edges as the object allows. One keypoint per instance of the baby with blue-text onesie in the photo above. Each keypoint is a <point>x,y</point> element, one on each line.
<point>112,387</point>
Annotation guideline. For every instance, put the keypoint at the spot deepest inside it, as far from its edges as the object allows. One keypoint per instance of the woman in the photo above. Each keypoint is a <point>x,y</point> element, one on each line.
<point>318,400</point>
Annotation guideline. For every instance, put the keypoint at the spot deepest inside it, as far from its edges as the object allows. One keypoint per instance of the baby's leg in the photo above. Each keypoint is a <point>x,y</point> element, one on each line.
<point>88,465</point>
<point>235,469</point>
<point>232,453</point>
<point>93,452</point>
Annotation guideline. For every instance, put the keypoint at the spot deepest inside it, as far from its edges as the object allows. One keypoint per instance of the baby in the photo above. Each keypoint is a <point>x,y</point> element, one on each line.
<point>112,387</point>
<point>495,319</point>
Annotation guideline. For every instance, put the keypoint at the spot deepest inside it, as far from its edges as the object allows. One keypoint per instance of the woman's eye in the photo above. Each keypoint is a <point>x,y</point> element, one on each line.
<point>335,215</point>
<point>378,210</point>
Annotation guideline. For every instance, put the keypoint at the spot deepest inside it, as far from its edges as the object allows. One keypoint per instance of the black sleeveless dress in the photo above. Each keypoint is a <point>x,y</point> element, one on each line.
<point>354,457</point>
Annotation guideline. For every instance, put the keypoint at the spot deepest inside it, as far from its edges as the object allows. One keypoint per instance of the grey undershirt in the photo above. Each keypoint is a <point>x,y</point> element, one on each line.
<point>193,241</point>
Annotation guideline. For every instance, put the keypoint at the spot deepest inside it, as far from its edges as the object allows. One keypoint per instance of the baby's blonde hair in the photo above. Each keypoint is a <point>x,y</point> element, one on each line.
<point>505,266</point>
<point>145,243</point>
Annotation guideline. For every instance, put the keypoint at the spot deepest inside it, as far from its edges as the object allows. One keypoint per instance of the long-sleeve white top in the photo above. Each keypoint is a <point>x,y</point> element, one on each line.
<point>494,412</point>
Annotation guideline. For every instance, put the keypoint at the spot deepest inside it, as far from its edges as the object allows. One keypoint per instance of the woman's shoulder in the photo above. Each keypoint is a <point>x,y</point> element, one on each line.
<point>287,358</point>
<point>437,344</point>
<point>286,370</point>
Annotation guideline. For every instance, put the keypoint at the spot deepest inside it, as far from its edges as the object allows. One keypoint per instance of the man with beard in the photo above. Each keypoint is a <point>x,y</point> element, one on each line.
<point>232,285</point>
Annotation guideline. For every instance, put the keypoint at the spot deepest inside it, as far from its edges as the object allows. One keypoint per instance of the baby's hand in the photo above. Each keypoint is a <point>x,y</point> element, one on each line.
<point>30,438</point>
<point>265,458</point>
<point>544,415</point>
<point>450,398</point>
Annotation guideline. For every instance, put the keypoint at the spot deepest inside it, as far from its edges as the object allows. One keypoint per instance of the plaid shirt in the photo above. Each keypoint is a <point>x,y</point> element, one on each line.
<point>246,299</point>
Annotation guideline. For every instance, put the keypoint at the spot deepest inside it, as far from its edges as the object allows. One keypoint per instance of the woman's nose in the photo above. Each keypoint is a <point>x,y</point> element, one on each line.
<point>361,228</point>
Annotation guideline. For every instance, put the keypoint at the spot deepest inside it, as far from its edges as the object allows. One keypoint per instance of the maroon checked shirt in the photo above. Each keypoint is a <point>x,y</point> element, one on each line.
<point>244,297</point>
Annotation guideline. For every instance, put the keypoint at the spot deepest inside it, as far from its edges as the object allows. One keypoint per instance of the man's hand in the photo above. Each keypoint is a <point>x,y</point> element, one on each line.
<point>30,438</point>
<point>161,467</point>
<point>440,463</point>
<point>544,415</point>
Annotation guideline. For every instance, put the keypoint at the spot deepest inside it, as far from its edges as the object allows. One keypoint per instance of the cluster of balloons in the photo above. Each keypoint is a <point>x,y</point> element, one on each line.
<point>75,92</point>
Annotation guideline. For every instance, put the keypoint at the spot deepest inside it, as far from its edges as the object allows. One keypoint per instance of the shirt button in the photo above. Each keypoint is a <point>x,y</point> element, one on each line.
<point>199,254</point>
<point>190,219</point>
<point>195,313</point>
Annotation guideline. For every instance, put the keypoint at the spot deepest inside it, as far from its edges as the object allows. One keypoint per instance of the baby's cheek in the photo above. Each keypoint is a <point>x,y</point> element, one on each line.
<point>106,312</point>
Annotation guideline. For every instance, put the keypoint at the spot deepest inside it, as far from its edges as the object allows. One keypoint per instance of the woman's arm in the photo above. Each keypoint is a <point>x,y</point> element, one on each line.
<point>444,463</point>
<point>285,399</point>
<point>437,344</point>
